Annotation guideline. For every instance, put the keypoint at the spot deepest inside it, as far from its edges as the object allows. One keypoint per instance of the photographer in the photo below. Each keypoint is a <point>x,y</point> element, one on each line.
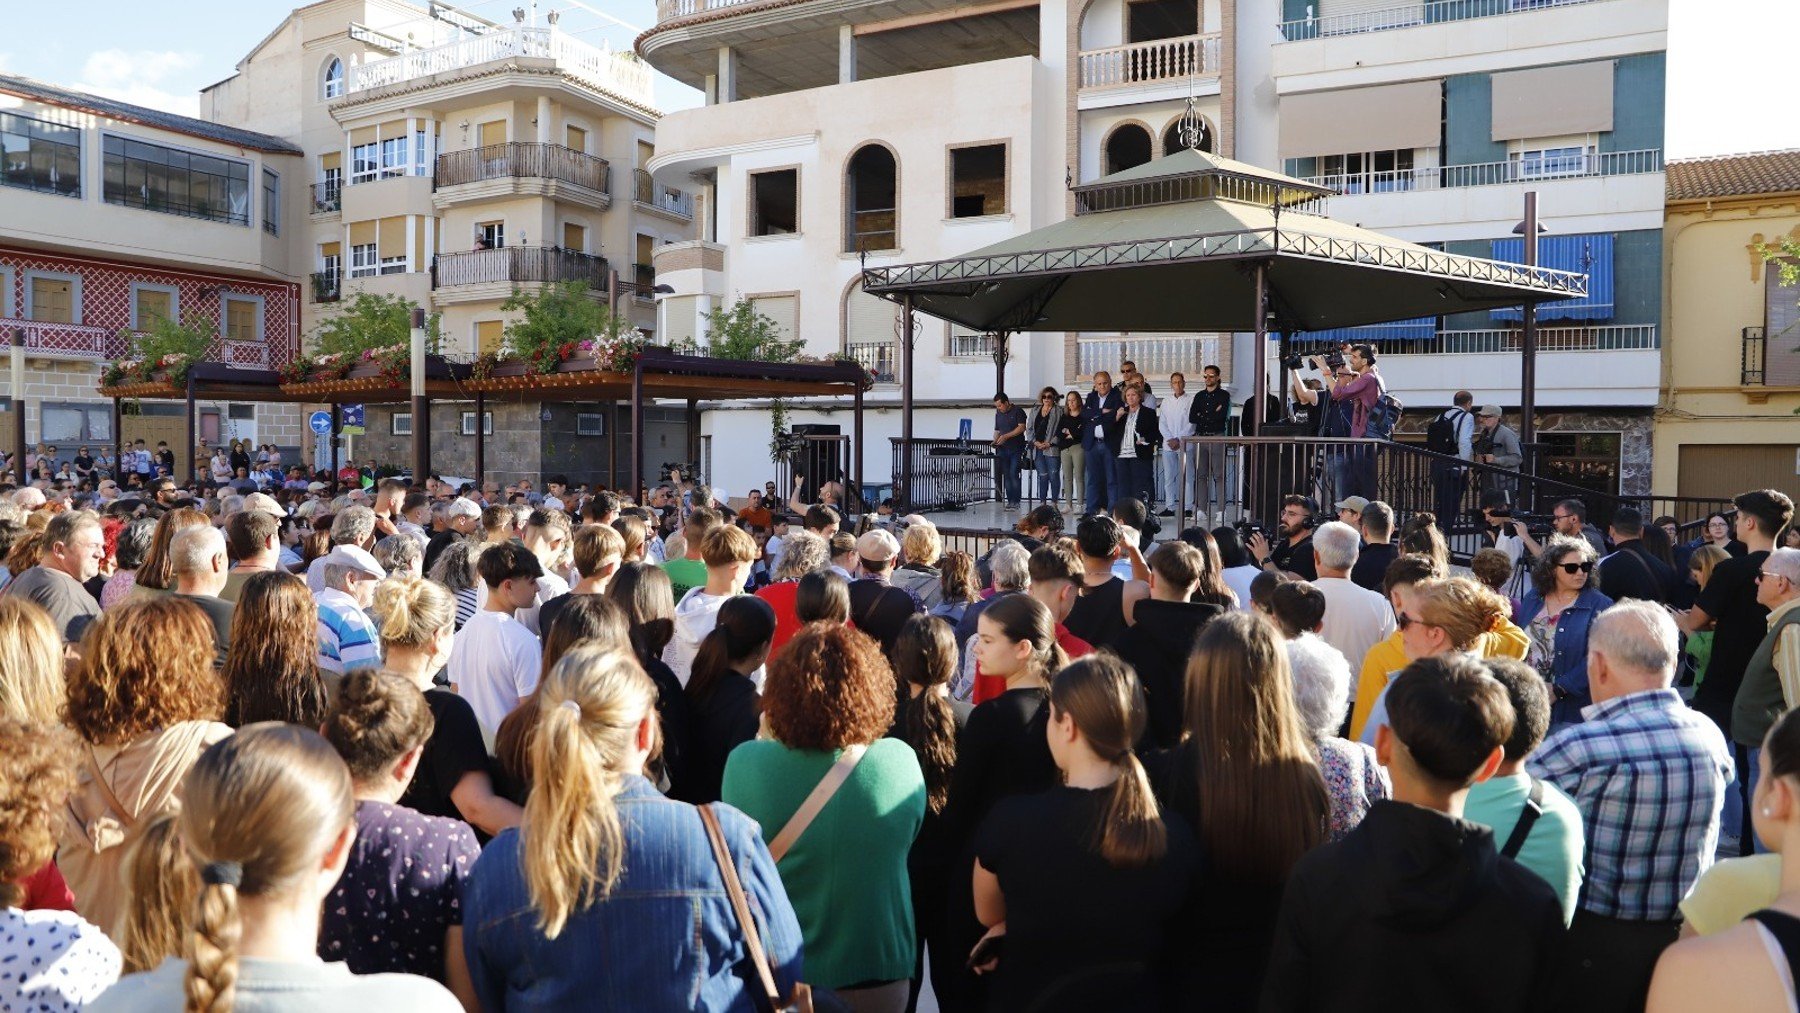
<point>1567,518</point>
<point>1327,414</point>
<point>1292,551</point>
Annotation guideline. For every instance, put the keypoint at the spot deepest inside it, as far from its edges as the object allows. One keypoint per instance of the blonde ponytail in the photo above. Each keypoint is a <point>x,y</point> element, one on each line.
<point>571,841</point>
<point>164,886</point>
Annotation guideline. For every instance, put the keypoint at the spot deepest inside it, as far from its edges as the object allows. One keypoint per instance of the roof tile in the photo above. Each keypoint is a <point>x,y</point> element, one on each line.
<point>1748,174</point>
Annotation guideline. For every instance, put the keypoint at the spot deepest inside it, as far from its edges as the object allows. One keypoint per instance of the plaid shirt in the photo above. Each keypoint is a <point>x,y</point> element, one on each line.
<point>1649,776</point>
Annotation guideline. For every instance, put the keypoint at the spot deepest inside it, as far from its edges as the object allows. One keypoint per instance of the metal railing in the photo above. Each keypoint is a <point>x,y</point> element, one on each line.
<point>1515,170</point>
<point>946,474</point>
<point>1751,369</point>
<point>963,345</point>
<point>248,354</point>
<point>1155,356</point>
<point>615,71</point>
<point>327,197</point>
<point>517,264</point>
<point>1409,15</point>
<point>327,286</point>
<point>644,190</point>
<point>1172,59</point>
<point>880,358</point>
<point>1555,338</point>
<point>66,340</point>
<point>530,159</point>
<point>643,282</point>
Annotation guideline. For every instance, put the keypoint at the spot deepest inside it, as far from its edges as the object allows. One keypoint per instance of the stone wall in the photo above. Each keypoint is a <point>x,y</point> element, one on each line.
<point>521,445</point>
<point>1634,426</point>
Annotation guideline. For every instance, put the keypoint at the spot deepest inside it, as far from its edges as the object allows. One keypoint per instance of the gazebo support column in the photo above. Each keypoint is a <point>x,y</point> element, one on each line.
<point>193,439</point>
<point>337,421</point>
<point>421,406</point>
<point>1528,349</point>
<point>1260,387</point>
<point>906,400</point>
<point>692,420</point>
<point>856,452</point>
<point>612,448</point>
<point>118,441</point>
<point>480,440</point>
<point>1002,354</point>
<point>18,407</point>
<point>637,433</point>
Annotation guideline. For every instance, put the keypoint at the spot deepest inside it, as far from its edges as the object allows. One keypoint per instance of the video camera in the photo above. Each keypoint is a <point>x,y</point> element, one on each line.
<point>1297,358</point>
<point>1530,520</point>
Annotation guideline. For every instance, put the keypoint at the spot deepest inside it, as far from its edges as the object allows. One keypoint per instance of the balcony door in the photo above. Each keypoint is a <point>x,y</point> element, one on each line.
<point>1149,20</point>
<point>491,132</point>
<point>53,300</point>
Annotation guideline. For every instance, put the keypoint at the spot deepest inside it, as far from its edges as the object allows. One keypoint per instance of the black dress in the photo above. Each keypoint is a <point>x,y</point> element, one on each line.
<point>929,862</point>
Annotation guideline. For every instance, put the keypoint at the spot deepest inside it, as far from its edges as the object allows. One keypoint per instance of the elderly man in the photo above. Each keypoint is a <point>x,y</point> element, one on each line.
<point>461,517</point>
<point>1174,415</point>
<point>1498,445</point>
<point>347,639</point>
<point>1649,776</point>
<point>199,564</point>
<point>1356,618</point>
<point>880,608</point>
<point>353,525</point>
<point>1772,677</point>
<point>73,550</point>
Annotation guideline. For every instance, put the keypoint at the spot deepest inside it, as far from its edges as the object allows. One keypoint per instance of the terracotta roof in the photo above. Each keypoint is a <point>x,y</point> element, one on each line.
<point>26,87</point>
<point>1745,175</point>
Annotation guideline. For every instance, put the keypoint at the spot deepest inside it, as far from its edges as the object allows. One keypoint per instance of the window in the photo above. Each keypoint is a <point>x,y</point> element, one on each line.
<point>393,157</point>
<point>75,423</point>
<point>590,424</point>
<point>422,153</point>
<point>38,155</point>
<point>577,138</point>
<point>271,202</point>
<point>176,182</point>
<point>871,184</point>
<point>978,181</point>
<point>775,202</point>
<point>1127,148</point>
<point>242,317</point>
<point>574,237</point>
<point>1368,171</point>
<point>489,335</point>
<point>400,424</point>
<point>150,303</point>
<point>363,261</point>
<point>490,235</point>
<point>487,423</point>
<point>364,162</point>
<point>490,133</point>
<point>53,298</point>
<point>1544,163</point>
<point>334,78</point>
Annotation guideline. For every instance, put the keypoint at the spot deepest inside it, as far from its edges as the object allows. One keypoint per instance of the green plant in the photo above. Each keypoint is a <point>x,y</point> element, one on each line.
<point>366,322</point>
<point>166,346</point>
<point>559,321</point>
<point>741,331</point>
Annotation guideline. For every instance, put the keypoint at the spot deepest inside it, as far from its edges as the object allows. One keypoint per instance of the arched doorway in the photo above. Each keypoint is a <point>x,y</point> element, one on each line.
<point>871,213</point>
<point>1127,147</point>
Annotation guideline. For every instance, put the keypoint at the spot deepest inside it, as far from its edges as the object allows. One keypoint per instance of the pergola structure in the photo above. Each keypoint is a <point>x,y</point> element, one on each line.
<point>1196,242</point>
<point>657,373</point>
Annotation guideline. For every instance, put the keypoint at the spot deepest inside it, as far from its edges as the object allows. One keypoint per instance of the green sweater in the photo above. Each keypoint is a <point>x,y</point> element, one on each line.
<point>846,876</point>
<point>685,575</point>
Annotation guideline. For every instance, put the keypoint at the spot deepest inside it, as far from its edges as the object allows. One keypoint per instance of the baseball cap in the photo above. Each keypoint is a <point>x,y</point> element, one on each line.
<point>315,487</point>
<point>356,559</point>
<point>1489,411</point>
<point>877,546</point>
<point>462,506</point>
<point>1356,503</point>
<point>264,502</point>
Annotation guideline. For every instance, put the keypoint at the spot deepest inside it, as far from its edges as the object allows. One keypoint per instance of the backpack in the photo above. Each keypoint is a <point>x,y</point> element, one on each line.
<point>1440,436</point>
<point>1383,416</point>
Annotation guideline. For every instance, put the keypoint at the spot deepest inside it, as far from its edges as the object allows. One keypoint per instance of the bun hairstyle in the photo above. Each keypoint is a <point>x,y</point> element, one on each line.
<point>925,656</point>
<point>411,611</point>
<point>1464,609</point>
<point>1021,617</point>
<point>378,719</point>
<point>1104,697</point>
<point>746,624</point>
<point>259,811</point>
<point>571,841</point>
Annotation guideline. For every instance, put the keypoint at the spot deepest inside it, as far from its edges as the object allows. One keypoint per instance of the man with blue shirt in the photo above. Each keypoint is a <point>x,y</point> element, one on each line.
<point>1009,448</point>
<point>1104,405</point>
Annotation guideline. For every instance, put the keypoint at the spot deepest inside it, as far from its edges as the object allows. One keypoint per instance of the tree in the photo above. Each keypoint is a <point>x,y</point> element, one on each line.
<point>741,331</point>
<point>367,321</point>
<point>557,319</point>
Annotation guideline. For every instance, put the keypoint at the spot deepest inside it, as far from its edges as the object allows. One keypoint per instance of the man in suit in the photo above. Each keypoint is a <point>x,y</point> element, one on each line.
<point>1103,402</point>
<point>1133,436</point>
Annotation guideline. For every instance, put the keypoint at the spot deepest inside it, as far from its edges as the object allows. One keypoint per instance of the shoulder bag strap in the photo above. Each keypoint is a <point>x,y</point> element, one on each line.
<point>1534,807</point>
<point>740,905</point>
<point>815,802</point>
<point>125,815</point>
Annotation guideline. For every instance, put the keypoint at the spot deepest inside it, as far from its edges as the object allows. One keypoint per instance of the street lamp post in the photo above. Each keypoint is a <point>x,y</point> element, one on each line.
<point>1528,343</point>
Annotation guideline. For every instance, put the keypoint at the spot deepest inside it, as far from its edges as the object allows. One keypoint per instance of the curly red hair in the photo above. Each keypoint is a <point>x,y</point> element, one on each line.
<point>830,687</point>
<point>37,772</point>
<point>144,665</point>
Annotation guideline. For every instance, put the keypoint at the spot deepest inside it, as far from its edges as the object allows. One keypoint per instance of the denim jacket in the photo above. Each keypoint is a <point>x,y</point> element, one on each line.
<point>1569,667</point>
<point>664,938</point>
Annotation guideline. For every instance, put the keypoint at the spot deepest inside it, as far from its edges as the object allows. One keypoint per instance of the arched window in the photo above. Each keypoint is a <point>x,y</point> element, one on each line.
<point>1127,147</point>
<point>871,211</point>
<point>334,78</point>
<point>1172,138</point>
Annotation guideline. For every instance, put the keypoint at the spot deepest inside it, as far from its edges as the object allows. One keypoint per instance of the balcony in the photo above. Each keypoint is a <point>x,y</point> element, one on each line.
<point>964,345</point>
<point>620,74</point>
<point>522,169</point>
<point>327,286</point>
<point>245,354</point>
<point>643,282</point>
<point>880,358</point>
<point>1550,338</point>
<point>1158,61</point>
<point>1454,177</point>
<point>646,192</point>
<point>65,341</point>
<point>1410,15</point>
<point>492,274</point>
<point>327,198</point>
<point>1156,356</point>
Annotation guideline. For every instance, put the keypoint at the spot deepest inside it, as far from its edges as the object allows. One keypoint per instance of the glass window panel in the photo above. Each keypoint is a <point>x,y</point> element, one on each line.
<point>61,424</point>
<point>99,424</point>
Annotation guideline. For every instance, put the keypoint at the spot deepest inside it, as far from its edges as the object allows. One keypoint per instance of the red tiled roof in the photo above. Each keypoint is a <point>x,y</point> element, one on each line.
<point>1750,174</point>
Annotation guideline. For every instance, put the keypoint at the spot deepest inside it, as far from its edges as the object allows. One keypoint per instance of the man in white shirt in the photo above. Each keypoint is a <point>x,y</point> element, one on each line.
<point>1356,618</point>
<point>494,660</point>
<point>1172,415</point>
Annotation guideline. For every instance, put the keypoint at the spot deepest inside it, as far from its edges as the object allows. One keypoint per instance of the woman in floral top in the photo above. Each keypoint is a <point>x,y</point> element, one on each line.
<point>1354,781</point>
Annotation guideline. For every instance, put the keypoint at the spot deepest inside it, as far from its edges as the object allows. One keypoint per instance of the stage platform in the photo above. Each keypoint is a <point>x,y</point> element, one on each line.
<point>992,517</point>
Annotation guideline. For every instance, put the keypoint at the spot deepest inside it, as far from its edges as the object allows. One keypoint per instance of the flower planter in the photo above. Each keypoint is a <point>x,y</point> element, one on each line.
<point>516,374</point>
<point>158,385</point>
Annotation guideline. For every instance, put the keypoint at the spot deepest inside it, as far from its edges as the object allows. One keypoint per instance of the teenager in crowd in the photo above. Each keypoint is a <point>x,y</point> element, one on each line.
<point>1158,646</point>
<point>823,597</point>
<point>728,553</point>
<point>605,864</point>
<point>722,691</point>
<point>646,596</point>
<point>588,617</point>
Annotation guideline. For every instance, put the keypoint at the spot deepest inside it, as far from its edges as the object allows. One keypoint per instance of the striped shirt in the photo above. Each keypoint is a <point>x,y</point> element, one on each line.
<point>1649,777</point>
<point>346,636</point>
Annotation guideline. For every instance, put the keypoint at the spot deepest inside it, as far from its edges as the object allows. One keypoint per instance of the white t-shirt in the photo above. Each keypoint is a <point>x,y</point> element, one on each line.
<point>61,961</point>
<point>548,586</point>
<point>1239,578</point>
<point>494,664</point>
<point>1356,618</point>
<point>773,549</point>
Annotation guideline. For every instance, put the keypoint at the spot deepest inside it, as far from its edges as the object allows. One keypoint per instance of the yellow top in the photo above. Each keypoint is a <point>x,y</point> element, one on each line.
<point>1388,656</point>
<point>1731,889</point>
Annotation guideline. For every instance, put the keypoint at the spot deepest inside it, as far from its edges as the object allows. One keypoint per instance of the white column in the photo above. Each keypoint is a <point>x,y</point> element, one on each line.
<point>710,87</point>
<point>412,234</point>
<point>846,54</point>
<point>727,84</point>
<point>543,119</point>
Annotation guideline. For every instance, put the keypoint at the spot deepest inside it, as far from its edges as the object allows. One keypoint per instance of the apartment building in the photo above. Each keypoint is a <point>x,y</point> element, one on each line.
<point>1433,119</point>
<point>1732,363</point>
<point>112,215</point>
<point>451,160</point>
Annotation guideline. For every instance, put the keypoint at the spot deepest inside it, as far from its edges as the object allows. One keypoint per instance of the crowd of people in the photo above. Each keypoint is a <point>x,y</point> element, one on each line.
<point>440,748</point>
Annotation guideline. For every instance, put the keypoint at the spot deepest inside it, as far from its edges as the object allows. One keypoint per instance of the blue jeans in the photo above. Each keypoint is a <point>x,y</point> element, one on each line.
<point>1006,477</point>
<point>1049,472</point>
<point>1100,478</point>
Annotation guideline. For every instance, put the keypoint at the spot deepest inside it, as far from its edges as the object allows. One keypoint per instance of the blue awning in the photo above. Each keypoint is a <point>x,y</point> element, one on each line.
<point>1417,329</point>
<point>1591,255</point>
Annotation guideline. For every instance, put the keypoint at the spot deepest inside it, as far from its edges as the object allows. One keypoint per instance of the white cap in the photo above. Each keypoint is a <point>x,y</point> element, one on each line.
<point>462,506</point>
<point>356,559</point>
<point>266,503</point>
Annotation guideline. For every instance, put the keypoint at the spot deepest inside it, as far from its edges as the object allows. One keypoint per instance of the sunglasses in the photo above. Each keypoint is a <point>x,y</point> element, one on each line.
<point>1402,621</point>
<point>1760,574</point>
<point>1577,567</point>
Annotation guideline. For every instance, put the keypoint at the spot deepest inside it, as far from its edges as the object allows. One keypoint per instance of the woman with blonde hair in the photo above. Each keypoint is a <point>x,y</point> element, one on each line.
<point>455,777</point>
<point>921,546</point>
<point>1439,616</point>
<point>164,885</point>
<point>267,819</point>
<point>1698,646</point>
<point>156,577</point>
<point>1247,780</point>
<point>605,864</point>
<point>146,701</point>
<point>31,663</point>
<point>54,959</point>
<point>1096,842</point>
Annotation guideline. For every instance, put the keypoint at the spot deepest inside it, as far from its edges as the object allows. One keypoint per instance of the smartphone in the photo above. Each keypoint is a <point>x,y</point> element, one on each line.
<point>988,949</point>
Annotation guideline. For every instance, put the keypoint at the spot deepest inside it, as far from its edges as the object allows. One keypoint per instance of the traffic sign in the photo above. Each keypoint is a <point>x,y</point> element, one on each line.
<point>320,423</point>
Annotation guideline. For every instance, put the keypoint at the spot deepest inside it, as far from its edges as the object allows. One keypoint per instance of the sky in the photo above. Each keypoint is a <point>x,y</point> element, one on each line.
<point>1722,74</point>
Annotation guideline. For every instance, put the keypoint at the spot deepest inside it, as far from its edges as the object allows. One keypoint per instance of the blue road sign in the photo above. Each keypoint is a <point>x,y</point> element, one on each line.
<point>965,430</point>
<point>320,422</point>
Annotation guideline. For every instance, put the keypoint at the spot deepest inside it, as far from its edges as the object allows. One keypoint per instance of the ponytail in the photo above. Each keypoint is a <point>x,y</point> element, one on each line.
<point>712,662</point>
<point>1021,617</point>
<point>1103,696</point>
<point>164,886</point>
<point>572,843</point>
<point>212,973</point>
<point>745,623</point>
<point>924,655</point>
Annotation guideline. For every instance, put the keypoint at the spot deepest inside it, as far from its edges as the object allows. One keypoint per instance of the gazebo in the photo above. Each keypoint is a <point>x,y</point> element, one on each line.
<point>1197,242</point>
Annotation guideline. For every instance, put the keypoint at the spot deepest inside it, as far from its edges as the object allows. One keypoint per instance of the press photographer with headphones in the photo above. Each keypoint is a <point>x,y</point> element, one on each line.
<point>1292,550</point>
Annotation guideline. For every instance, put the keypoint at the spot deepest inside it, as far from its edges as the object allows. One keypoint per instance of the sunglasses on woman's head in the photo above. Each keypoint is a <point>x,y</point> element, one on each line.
<point>1584,567</point>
